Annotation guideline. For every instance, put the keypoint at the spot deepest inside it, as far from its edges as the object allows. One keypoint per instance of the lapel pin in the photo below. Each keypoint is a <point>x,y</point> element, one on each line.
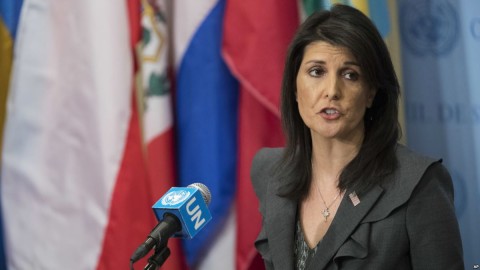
<point>354,198</point>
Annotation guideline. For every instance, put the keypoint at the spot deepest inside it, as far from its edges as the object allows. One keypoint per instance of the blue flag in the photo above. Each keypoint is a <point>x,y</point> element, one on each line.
<point>441,64</point>
<point>206,111</point>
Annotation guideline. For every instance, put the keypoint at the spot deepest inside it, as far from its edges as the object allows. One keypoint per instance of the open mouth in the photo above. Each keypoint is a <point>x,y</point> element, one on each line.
<point>330,111</point>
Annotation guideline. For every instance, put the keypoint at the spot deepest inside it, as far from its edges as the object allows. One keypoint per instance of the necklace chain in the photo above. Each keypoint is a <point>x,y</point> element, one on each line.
<point>326,211</point>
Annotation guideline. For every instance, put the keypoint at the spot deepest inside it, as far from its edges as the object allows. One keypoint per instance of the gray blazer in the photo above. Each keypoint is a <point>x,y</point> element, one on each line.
<point>406,223</point>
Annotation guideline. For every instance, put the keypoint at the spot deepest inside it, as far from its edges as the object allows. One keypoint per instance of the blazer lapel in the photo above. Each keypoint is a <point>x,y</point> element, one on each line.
<point>346,220</point>
<point>281,217</point>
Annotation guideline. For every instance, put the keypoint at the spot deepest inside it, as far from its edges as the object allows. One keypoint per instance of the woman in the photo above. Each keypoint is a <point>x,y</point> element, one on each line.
<point>343,194</point>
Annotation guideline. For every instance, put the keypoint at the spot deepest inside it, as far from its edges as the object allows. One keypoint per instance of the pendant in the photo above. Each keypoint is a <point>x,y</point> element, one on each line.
<point>325,213</point>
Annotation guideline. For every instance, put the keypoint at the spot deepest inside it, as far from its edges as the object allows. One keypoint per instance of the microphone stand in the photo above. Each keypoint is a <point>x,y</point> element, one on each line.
<point>159,256</point>
<point>158,238</point>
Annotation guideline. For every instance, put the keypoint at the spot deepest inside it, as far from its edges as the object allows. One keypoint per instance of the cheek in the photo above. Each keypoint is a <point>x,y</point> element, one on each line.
<point>358,105</point>
<point>303,104</point>
<point>306,92</point>
<point>305,100</point>
<point>301,94</point>
<point>363,98</point>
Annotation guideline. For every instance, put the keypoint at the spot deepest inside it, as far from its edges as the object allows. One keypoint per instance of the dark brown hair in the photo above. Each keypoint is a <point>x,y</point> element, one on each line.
<point>346,27</point>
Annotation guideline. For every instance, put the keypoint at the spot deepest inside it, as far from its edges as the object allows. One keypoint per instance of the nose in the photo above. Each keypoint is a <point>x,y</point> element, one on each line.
<point>332,88</point>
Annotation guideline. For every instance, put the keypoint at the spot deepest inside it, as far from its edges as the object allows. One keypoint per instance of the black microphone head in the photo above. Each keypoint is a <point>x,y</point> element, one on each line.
<point>207,196</point>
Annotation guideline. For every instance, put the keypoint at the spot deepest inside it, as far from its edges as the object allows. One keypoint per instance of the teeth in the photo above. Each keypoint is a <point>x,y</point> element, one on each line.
<point>330,111</point>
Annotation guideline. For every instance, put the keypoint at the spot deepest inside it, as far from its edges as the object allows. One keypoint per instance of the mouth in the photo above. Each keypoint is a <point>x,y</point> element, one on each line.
<point>330,113</point>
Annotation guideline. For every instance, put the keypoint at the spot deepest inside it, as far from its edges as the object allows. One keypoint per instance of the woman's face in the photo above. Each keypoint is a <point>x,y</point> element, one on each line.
<point>332,94</point>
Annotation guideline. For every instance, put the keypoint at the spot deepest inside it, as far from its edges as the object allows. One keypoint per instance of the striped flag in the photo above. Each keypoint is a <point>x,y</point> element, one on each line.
<point>74,180</point>
<point>154,89</point>
<point>206,110</point>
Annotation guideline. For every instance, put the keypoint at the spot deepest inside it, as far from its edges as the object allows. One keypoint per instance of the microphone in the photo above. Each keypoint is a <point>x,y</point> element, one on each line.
<point>182,212</point>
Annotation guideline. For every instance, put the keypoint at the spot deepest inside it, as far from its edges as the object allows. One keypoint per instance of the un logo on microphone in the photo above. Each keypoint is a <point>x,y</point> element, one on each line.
<point>429,27</point>
<point>175,197</point>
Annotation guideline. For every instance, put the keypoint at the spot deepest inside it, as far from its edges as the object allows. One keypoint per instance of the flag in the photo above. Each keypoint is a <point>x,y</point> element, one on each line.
<point>73,173</point>
<point>155,103</point>
<point>206,120</point>
<point>257,34</point>
<point>9,15</point>
<point>441,83</point>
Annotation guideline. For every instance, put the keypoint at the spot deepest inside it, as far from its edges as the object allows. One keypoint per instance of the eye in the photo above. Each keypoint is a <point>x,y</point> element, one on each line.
<point>351,75</point>
<point>316,71</point>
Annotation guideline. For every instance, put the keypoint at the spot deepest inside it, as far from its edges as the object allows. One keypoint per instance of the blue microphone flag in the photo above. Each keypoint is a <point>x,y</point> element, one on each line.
<point>188,205</point>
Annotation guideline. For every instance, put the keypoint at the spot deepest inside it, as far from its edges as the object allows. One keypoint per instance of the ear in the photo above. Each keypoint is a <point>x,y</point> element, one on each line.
<point>371,96</point>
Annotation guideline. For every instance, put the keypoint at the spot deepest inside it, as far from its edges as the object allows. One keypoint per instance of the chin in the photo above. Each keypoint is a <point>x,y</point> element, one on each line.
<point>326,134</point>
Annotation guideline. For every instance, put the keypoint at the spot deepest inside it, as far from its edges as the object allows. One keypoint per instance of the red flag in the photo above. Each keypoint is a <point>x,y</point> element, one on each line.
<point>157,112</point>
<point>256,37</point>
<point>73,143</point>
<point>131,207</point>
<point>138,186</point>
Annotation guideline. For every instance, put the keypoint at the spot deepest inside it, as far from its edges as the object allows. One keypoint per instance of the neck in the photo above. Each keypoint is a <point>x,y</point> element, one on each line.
<point>329,157</point>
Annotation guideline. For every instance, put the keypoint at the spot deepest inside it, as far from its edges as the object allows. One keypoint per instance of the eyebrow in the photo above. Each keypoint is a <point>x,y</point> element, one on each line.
<point>347,63</point>
<point>351,63</point>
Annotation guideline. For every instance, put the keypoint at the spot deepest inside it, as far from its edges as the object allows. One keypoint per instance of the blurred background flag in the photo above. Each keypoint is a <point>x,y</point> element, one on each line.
<point>256,36</point>
<point>156,109</point>
<point>206,123</point>
<point>72,156</point>
<point>9,17</point>
<point>441,61</point>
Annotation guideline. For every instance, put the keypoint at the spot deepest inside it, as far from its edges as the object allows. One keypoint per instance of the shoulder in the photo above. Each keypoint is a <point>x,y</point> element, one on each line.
<point>412,166</point>
<point>266,158</point>
<point>413,169</point>
<point>410,161</point>
<point>432,235</point>
<point>417,170</point>
<point>263,168</point>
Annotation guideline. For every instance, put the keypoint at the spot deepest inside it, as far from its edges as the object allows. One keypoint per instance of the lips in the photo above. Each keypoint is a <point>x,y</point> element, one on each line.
<point>330,113</point>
